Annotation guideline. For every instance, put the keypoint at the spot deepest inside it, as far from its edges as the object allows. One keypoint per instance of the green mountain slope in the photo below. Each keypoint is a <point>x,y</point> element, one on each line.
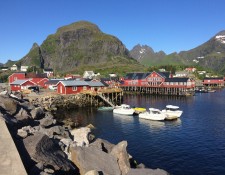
<point>79,45</point>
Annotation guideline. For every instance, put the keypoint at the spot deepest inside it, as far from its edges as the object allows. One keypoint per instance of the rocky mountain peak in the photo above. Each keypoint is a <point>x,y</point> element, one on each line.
<point>220,37</point>
<point>79,26</point>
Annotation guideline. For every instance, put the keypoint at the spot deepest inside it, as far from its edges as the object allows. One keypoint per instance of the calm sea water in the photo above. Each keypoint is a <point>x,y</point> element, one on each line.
<point>192,145</point>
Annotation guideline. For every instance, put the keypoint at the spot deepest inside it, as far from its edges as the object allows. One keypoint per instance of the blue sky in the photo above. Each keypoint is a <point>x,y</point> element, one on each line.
<point>168,25</point>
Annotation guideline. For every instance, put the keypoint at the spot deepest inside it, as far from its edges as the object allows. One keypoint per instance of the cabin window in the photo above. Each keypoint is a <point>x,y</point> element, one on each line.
<point>74,88</point>
<point>15,78</point>
<point>84,87</point>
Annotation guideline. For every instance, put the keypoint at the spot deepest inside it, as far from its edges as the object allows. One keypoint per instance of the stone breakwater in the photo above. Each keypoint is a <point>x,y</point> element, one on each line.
<point>47,147</point>
<point>53,102</point>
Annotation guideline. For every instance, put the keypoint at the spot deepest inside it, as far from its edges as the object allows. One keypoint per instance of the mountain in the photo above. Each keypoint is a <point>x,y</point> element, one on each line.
<point>9,63</point>
<point>79,46</point>
<point>146,56</point>
<point>210,55</point>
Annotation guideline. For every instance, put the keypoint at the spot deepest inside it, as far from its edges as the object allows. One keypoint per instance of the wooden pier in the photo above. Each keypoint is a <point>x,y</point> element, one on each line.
<point>108,96</point>
<point>158,90</point>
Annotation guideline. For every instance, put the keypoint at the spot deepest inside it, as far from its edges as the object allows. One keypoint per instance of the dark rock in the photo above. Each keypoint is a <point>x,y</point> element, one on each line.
<point>120,153</point>
<point>22,116</point>
<point>8,105</point>
<point>37,169</point>
<point>103,145</point>
<point>44,150</point>
<point>37,113</point>
<point>55,130</point>
<point>47,121</point>
<point>91,158</point>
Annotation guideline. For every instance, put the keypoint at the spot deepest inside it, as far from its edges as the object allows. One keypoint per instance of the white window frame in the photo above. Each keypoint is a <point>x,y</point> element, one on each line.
<point>74,88</point>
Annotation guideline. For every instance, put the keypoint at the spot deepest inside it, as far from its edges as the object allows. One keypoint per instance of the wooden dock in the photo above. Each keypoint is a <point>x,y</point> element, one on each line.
<point>109,96</point>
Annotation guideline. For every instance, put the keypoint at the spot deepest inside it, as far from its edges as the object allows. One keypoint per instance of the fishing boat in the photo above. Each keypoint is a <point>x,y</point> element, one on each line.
<point>172,112</point>
<point>105,108</point>
<point>153,114</point>
<point>124,109</point>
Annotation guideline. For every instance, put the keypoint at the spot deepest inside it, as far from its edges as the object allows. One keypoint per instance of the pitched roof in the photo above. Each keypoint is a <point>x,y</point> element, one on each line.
<point>136,76</point>
<point>74,83</point>
<point>164,74</point>
<point>82,83</point>
<point>95,83</point>
<point>34,75</point>
<point>214,78</point>
<point>53,81</point>
<point>20,82</point>
<point>176,79</point>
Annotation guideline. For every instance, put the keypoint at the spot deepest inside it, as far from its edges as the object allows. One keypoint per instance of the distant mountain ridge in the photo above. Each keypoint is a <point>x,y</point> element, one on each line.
<point>210,54</point>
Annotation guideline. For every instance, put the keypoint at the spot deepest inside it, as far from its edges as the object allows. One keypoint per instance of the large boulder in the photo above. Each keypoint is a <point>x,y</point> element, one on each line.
<point>120,153</point>
<point>55,131</point>
<point>91,158</point>
<point>37,113</point>
<point>81,136</point>
<point>8,105</point>
<point>47,121</point>
<point>44,150</point>
<point>23,116</point>
<point>102,145</point>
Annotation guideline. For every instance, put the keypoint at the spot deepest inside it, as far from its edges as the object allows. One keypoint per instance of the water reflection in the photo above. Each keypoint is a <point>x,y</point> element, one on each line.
<point>152,124</point>
<point>160,124</point>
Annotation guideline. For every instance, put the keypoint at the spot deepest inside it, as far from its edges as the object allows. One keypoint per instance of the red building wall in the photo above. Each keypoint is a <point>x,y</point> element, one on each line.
<point>22,86</point>
<point>213,81</point>
<point>40,81</point>
<point>61,89</point>
<point>16,76</point>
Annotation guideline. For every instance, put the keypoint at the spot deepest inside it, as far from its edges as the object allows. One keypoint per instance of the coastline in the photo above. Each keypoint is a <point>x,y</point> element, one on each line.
<point>46,146</point>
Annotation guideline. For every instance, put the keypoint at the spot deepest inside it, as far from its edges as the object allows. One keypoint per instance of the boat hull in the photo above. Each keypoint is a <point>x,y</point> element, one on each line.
<point>123,112</point>
<point>156,117</point>
<point>105,108</point>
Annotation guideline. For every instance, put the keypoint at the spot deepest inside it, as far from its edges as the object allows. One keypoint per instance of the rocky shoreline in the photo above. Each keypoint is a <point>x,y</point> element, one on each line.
<point>48,147</point>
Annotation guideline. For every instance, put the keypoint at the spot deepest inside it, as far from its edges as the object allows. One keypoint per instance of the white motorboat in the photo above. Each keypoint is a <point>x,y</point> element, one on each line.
<point>153,114</point>
<point>123,109</point>
<point>172,112</point>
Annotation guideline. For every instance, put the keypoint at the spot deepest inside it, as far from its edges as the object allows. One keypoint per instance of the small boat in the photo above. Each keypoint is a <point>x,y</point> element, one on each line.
<point>211,90</point>
<point>138,110</point>
<point>172,112</point>
<point>105,108</point>
<point>123,109</point>
<point>153,114</point>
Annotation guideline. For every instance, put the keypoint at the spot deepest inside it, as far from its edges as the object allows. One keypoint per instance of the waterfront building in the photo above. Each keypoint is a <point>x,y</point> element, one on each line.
<point>78,86</point>
<point>160,83</point>
<point>213,82</point>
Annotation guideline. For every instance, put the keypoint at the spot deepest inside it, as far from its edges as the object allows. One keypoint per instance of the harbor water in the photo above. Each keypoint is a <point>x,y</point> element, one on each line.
<point>193,144</point>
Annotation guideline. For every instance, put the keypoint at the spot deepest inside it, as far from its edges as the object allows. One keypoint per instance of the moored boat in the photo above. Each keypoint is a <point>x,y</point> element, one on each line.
<point>153,114</point>
<point>124,109</point>
<point>172,112</point>
<point>105,108</point>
